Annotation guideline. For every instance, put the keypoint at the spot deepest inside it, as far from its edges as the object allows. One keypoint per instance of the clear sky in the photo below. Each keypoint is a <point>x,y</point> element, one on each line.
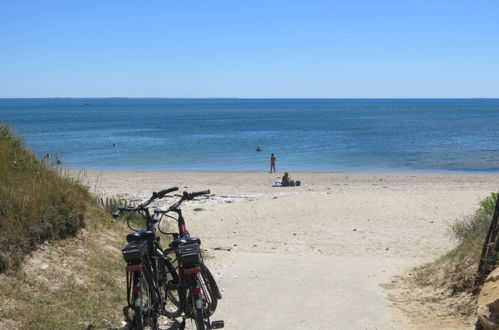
<point>253,48</point>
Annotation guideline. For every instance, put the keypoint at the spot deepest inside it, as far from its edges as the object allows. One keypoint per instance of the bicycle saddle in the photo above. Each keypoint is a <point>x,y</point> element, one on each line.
<point>140,236</point>
<point>185,240</point>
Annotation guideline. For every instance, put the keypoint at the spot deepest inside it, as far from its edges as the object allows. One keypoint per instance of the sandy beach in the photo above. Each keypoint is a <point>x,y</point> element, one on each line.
<point>314,256</point>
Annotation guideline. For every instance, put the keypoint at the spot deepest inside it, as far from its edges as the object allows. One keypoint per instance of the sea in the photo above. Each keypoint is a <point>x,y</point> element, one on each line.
<point>222,135</point>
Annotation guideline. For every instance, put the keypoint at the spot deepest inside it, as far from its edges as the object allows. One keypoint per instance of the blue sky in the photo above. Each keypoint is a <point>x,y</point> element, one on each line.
<point>337,49</point>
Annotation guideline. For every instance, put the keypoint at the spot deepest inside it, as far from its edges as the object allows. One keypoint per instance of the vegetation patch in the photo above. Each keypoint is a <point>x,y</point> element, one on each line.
<point>61,265</point>
<point>455,273</point>
<point>75,283</point>
<point>37,203</point>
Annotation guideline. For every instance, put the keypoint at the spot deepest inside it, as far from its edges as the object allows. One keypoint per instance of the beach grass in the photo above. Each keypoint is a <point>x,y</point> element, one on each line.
<point>60,256</point>
<point>456,271</point>
<point>37,203</point>
<point>75,283</point>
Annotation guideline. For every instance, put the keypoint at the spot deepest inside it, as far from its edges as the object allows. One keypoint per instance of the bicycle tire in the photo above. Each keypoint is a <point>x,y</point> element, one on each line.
<point>212,287</point>
<point>151,315</point>
<point>171,296</point>
<point>198,309</point>
<point>143,307</point>
<point>138,308</point>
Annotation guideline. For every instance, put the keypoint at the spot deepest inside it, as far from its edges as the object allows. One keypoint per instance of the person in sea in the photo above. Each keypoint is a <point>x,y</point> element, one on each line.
<point>272,163</point>
<point>286,180</point>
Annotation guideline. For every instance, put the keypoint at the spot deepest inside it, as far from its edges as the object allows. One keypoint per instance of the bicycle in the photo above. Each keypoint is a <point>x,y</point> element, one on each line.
<point>200,300</point>
<point>151,275</point>
<point>142,254</point>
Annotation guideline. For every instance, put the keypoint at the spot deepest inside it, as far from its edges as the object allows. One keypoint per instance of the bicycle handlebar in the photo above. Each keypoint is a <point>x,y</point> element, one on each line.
<point>155,195</point>
<point>185,196</point>
<point>162,193</point>
<point>121,209</point>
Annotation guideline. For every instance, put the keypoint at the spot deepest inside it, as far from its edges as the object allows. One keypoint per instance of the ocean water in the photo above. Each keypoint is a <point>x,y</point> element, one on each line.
<point>307,135</point>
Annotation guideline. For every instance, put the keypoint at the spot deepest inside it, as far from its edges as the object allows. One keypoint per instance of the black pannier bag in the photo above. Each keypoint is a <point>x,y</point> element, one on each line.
<point>189,254</point>
<point>134,251</point>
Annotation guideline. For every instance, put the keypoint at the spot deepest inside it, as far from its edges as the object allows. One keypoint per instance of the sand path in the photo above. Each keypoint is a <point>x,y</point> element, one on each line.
<point>315,256</point>
<point>319,262</point>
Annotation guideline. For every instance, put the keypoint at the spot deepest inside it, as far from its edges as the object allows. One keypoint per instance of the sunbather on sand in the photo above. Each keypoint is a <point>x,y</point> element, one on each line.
<point>286,180</point>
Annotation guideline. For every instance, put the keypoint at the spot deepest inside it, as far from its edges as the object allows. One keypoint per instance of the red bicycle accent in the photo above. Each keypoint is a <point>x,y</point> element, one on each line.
<point>192,270</point>
<point>134,268</point>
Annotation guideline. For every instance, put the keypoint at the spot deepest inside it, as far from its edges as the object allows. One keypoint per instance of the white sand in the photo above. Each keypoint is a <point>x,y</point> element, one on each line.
<point>314,256</point>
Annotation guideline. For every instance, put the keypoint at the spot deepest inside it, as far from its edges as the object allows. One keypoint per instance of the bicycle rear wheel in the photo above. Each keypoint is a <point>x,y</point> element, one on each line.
<point>199,319</point>
<point>144,314</point>
<point>199,308</point>
<point>171,294</point>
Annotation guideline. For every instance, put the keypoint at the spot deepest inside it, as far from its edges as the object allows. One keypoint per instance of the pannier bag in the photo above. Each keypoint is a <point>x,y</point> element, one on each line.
<point>189,254</point>
<point>134,251</point>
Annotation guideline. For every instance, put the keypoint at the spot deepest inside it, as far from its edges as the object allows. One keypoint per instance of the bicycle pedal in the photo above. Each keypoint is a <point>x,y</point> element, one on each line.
<point>217,324</point>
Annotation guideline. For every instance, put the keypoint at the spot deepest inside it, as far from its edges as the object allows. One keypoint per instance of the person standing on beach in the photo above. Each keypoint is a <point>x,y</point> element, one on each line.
<point>272,163</point>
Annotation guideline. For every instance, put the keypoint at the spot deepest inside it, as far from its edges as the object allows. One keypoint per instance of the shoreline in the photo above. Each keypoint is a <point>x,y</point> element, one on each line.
<point>401,172</point>
<point>279,173</point>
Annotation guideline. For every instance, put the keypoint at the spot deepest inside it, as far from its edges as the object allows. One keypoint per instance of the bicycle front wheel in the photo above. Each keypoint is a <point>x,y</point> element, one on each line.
<point>208,283</point>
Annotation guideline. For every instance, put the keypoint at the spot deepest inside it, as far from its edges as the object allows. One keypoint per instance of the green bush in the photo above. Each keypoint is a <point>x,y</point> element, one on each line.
<point>488,205</point>
<point>457,269</point>
<point>476,225</point>
<point>36,202</point>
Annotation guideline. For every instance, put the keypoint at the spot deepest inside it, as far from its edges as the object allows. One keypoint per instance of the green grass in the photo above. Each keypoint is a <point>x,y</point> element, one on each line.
<point>457,269</point>
<point>83,285</point>
<point>37,203</point>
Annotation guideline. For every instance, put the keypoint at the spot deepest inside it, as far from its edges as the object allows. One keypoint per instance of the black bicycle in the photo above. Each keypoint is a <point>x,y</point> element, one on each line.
<point>198,295</point>
<point>156,281</point>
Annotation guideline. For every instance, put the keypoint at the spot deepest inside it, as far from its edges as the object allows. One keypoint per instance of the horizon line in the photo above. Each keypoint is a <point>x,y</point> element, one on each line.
<point>249,98</point>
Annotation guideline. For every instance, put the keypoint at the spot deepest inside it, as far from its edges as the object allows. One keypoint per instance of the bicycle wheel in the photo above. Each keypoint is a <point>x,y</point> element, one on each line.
<point>198,307</point>
<point>170,291</point>
<point>137,299</point>
<point>144,314</point>
<point>214,294</point>
<point>199,319</point>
